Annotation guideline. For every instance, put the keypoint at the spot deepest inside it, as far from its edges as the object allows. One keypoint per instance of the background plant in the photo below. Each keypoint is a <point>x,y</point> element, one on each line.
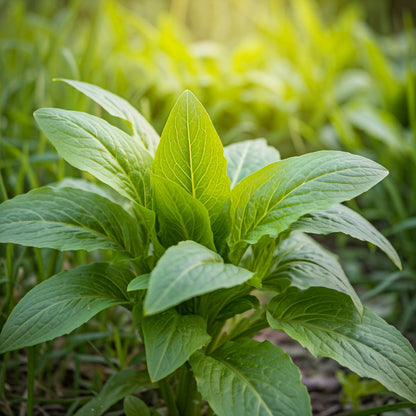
<point>200,235</point>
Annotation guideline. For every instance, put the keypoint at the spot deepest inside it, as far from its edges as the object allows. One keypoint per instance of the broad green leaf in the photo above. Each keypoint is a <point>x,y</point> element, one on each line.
<point>133,406</point>
<point>64,302</point>
<point>326,322</point>
<point>70,219</point>
<point>305,263</point>
<point>119,107</point>
<point>190,153</point>
<point>268,201</point>
<point>118,386</point>
<point>180,216</point>
<point>246,378</point>
<point>187,270</point>
<point>170,339</point>
<point>139,282</point>
<point>91,144</point>
<point>245,158</point>
<point>339,218</point>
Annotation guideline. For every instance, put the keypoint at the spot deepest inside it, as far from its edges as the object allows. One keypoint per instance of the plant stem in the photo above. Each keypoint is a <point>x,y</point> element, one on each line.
<point>169,397</point>
<point>188,398</point>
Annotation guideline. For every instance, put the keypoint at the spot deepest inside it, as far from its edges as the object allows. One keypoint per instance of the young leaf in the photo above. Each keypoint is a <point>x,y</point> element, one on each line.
<point>64,302</point>
<point>187,270</point>
<point>180,216</point>
<point>305,263</point>
<point>245,378</point>
<point>117,387</point>
<point>70,219</point>
<point>268,201</point>
<point>326,322</point>
<point>119,107</point>
<point>190,153</point>
<point>245,158</point>
<point>170,339</point>
<point>91,144</point>
<point>340,218</point>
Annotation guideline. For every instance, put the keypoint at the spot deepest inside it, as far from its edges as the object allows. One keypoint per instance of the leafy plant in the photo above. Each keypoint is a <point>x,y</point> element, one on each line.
<point>193,233</point>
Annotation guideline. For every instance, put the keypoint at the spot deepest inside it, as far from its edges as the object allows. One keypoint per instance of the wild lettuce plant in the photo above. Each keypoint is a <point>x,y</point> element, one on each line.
<point>199,234</point>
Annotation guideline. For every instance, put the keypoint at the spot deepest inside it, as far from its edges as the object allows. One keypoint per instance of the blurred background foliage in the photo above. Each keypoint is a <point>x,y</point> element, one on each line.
<point>305,74</point>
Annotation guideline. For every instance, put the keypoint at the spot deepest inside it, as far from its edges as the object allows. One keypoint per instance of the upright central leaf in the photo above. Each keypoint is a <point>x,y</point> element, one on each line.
<point>190,154</point>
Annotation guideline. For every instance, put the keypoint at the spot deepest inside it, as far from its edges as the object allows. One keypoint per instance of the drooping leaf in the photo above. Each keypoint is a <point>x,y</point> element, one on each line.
<point>70,219</point>
<point>133,406</point>
<point>170,339</point>
<point>340,218</point>
<point>187,270</point>
<point>246,378</point>
<point>118,386</point>
<point>268,201</point>
<point>119,107</point>
<point>64,302</point>
<point>190,153</point>
<point>327,323</point>
<point>245,158</point>
<point>303,262</point>
<point>180,216</point>
<point>91,144</point>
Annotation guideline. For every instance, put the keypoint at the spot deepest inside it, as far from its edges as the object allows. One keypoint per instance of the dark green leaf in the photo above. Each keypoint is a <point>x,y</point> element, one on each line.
<point>305,263</point>
<point>170,339</point>
<point>133,406</point>
<point>268,201</point>
<point>91,144</point>
<point>70,219</point>
<point>327,323</point>
<point>339,218</point>
<point>187,270</point>
<point>64,302</point>
<point>246,378</point>
<point>117,387</point>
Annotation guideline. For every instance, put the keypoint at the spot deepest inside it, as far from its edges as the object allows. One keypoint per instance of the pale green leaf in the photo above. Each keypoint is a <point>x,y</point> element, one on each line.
<point>91,144</point>
<point>64,302</point>
<point>170,339</point>
<point>187,270</point>
<point>268,201</point>
<point>70,219</point>
<point>245,158</point>
<point>246,378</point>
<point>190,153</point>
<point>119,107</point>
<point>180,216</point>
<point>118,386</point>
<point>327,323</point>
<point>139,283</point>
<point>305,263</point>
<point>340,218</point>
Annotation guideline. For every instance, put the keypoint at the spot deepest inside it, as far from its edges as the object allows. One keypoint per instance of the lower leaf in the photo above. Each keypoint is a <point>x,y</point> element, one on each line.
<point>326,323</point>
<point>64,302</point>
<point>248,378</point>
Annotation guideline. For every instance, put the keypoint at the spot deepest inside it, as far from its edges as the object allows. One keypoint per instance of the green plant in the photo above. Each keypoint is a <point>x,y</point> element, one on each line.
<point>193,234</point>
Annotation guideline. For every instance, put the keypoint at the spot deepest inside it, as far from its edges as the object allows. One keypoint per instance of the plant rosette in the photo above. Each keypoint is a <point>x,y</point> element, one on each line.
<point>195,229</point>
